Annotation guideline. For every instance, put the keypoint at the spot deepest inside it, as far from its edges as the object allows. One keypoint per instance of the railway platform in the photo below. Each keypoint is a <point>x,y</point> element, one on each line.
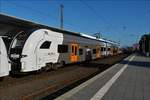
<point>127,80</point>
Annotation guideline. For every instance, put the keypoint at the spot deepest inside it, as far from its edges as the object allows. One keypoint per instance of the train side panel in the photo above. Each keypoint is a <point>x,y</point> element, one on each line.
<point>4,63</point>
<point>77,49</point>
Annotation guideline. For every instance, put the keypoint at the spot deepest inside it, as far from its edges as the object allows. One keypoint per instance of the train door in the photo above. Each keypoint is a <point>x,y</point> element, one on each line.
<point>43,53</point>
<point>74,50</point>
<point>4,64</point>
<point>98,52</point>
<point>112,50</point>
<point>88,54</point>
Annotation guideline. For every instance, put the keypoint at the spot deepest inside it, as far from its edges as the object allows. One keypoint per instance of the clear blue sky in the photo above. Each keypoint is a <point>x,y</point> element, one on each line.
<point>123,21</point>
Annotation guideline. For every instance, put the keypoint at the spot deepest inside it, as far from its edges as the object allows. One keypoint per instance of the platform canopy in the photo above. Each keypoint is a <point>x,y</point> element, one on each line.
<point>8,23</point>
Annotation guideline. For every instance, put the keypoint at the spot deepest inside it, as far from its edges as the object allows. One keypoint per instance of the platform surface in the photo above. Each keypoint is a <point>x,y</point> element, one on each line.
<point>127,80</point>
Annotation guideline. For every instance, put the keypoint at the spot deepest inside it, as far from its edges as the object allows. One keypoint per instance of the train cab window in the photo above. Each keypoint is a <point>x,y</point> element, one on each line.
<point>62,48</point>
<point>94,51</point>
<point>19,40</point>
<point>45,45</point>
<point>80,51</point>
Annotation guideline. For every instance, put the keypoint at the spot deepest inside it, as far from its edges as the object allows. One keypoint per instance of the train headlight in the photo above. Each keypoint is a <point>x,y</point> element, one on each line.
<point>23,65</point>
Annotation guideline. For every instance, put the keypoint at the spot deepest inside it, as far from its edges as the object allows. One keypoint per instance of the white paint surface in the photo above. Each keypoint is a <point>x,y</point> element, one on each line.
<point>36,57</point>
<point>4,64</point>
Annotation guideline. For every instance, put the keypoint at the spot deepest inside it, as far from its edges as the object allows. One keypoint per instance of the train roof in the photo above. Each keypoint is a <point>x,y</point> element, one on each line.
<point>100,39</point>
<point>22,23</point>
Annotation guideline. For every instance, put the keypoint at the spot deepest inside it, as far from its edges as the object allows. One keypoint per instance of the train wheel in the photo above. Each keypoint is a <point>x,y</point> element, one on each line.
<point>1,78</point>
<point>40,71</point>
<point>62,63</point>
<point>48,67</point>
<point>55,66</point>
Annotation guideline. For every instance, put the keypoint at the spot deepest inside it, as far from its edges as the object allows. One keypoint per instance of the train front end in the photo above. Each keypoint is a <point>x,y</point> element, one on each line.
<point>15,50</point>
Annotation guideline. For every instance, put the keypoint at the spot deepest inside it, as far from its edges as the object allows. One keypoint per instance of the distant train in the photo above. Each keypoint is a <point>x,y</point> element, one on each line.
<point>29,48</point>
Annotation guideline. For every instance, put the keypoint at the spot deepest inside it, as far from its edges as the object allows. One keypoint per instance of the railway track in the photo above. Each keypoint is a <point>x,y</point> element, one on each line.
<point>48,85</point>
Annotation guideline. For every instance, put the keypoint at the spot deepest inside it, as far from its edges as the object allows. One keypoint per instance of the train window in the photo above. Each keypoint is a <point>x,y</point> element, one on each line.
<point>62,48</point>
<point>45,45</point>
<point>108,49</point>
<point>104,49</point>
<point>75,50</point>
<point>94,51</point>
<point>72,49</point>
<point>80,51</point>
<point>101,48</point>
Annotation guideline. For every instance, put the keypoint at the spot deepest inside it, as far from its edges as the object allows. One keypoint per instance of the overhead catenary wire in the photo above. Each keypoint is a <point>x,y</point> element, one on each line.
<point>90,8</point>
<point>100,18</point>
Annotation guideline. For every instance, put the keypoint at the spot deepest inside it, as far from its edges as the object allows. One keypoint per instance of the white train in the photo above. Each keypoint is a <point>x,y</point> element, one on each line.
<point>31,47</point>
<point>4,61</point>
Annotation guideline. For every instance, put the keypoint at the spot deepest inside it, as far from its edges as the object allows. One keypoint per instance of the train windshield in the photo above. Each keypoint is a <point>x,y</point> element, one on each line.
<point>16,45</point>
<point>19,40</point>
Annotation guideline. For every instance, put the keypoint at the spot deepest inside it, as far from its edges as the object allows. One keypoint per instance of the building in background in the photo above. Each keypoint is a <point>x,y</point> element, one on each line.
<point>145,44</point>
<point>135,47</point>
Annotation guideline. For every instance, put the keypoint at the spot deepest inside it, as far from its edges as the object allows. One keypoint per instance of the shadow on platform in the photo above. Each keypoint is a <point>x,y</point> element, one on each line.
<point>136,63</point>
